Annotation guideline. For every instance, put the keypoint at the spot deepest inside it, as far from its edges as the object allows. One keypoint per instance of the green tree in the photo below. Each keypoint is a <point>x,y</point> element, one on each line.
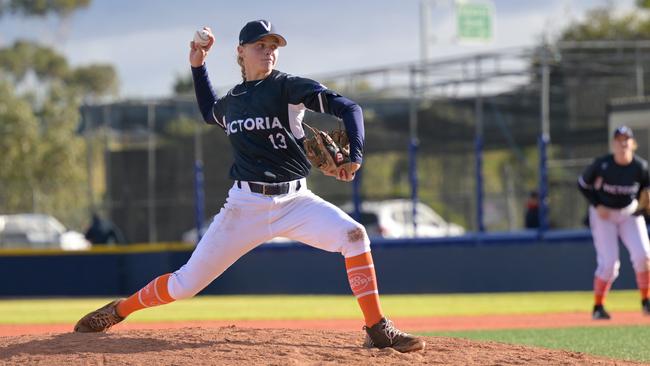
<point>183,85</point>
<point>42,164</point>
<point>94,80</point>
<point>603,24</point>
<point>184,126</point>
<point>41,8</point>
<point>45,168</point>
<point>643,4</point>
<point>19,131</point>
<point>24,56</point>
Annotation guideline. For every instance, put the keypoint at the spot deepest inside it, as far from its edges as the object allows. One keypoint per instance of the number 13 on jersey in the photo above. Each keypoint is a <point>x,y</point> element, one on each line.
<point>278,141</point>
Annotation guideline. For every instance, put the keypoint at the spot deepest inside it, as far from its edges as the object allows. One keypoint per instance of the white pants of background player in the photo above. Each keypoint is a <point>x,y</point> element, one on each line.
<point>249,219</point>
<point>633,233</point>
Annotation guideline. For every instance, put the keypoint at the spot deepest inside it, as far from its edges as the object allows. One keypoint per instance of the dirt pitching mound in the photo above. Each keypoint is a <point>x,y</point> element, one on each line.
<point>246,346</point>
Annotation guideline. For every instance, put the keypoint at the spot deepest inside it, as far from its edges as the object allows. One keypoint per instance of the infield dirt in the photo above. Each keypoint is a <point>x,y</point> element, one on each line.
<point>250,346</point>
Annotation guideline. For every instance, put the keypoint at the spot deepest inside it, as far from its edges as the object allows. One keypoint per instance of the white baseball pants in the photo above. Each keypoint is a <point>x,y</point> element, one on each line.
<point>249,219</point>
<point>633,233</point>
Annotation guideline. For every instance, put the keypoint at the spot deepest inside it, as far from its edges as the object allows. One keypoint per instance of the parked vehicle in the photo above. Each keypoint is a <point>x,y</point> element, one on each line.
<point>394,219</point>
<point>38,231</point>
<point>190,236</point>
<point>387,219</point>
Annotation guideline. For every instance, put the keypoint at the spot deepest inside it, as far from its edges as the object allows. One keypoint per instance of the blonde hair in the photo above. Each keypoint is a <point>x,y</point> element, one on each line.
<point>240,62</point>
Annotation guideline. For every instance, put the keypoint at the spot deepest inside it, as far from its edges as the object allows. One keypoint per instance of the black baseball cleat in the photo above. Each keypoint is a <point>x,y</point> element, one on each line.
<point>645,307</point>
<point>384,334</point>
<point>600,313</point>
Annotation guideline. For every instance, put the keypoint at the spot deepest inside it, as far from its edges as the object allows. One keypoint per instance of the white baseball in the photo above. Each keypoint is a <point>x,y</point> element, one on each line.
<point>201,37</point>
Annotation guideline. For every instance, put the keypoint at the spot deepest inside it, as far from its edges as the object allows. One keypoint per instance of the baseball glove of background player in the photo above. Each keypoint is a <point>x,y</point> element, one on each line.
<point>644,203</point>
<point>327,150</point>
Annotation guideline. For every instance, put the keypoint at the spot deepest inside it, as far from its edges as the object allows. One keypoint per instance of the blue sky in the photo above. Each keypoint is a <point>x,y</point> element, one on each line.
<point>147,41</point>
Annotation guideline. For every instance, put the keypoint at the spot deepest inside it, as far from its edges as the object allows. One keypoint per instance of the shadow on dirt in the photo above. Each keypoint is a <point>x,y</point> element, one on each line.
<point>75,343</point>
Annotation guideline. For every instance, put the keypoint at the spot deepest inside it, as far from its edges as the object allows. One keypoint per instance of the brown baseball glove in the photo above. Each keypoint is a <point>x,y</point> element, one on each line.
<point>327,150</point>
<point>644,203</point>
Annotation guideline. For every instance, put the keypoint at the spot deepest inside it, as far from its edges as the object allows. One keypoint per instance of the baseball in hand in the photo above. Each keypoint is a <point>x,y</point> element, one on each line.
<point>201,37</point>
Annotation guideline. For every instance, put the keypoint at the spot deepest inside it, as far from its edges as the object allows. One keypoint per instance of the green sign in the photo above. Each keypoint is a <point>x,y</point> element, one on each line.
<point>474,21</point>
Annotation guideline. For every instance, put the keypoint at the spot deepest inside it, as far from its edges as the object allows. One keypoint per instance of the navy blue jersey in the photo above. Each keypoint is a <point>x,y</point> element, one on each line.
<point>607,183</point>
<point>263,121</point>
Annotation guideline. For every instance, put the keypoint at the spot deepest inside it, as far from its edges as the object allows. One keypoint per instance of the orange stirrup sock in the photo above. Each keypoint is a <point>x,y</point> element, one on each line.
<point>601,287</point>
<point>153,294</point>
<point>642,281</point>
<point>363,282</point>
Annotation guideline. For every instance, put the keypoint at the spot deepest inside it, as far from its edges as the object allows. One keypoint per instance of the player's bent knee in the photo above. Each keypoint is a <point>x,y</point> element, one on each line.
<point>608,272</point>
<point>182,293</point>
<point>641,264</point>
<point>180,289</point>
<point>356,241</point>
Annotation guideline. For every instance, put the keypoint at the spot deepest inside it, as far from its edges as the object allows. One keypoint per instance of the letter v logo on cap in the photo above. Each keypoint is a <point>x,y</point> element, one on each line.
<point>266,26</point>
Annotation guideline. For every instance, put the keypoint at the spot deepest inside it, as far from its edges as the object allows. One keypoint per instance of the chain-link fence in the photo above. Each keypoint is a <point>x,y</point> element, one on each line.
<point>428,123</point>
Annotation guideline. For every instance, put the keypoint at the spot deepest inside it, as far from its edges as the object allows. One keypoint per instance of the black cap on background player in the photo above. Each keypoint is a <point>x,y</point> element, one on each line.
<point>623,131</point>
<point>256,29</point>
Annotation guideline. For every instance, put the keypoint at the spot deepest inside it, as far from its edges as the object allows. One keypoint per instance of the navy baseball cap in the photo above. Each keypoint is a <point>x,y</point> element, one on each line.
<point>623,130</point>
<point>255,30</point>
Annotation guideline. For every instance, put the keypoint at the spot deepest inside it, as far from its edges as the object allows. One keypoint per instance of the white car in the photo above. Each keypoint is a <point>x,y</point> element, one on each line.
<point>387,219</point>
<point>394,219</point>
<point>190,236</point>
<point>38,231</point>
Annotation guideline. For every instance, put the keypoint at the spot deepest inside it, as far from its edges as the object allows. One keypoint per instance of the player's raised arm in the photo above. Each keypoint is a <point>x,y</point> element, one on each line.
<point>205,95</point>
<point>200,46</point>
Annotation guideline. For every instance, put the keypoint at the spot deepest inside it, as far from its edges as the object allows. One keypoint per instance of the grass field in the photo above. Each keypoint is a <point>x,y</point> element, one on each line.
<point>618,342</point>
<point>319,307</point>
<point>628,343</point>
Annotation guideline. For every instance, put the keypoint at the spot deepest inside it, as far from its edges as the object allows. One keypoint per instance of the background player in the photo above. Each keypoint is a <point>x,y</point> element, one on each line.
<point>612,184</point>
<point>262,117</point>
